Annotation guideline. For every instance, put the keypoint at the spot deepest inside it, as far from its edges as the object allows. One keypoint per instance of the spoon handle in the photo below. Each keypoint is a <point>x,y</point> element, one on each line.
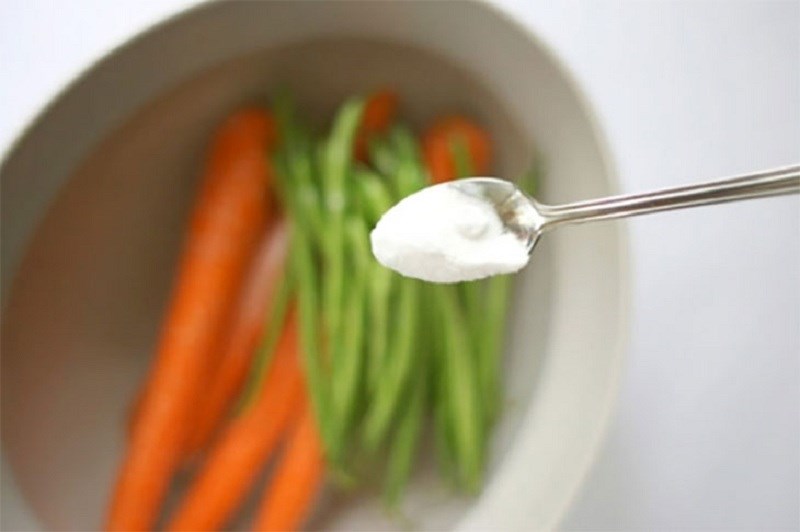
<point>776,182</point>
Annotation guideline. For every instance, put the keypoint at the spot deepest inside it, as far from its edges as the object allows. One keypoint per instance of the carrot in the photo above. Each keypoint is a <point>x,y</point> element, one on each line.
<point>450,133</point>
<point>296,481</point>
<point>247,325</point>
<point>134,411</point>
<point>380,111</point>
<point>227,219</point>
<point>243,448</point>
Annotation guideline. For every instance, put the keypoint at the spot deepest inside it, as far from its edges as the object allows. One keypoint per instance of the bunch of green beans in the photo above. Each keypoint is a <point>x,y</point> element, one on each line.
<point>384,356</point>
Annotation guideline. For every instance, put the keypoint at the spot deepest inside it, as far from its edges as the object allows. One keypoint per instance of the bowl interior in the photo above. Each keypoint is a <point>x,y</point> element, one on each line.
<point>83,312</point>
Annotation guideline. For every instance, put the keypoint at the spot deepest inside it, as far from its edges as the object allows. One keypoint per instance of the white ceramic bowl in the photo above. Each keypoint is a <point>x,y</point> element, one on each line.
<point>95,192</point>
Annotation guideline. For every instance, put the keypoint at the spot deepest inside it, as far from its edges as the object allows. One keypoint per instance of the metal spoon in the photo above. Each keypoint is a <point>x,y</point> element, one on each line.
<point>529,219</point>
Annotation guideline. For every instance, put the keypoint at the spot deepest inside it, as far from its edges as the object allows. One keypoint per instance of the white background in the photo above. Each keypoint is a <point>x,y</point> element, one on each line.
<point>708,429</point>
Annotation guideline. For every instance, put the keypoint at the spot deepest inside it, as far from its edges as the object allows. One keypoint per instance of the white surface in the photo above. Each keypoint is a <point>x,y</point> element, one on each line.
<point>708,431</point>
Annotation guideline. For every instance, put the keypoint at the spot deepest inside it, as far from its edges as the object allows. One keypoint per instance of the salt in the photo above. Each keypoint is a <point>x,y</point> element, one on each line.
<point>443,235</point>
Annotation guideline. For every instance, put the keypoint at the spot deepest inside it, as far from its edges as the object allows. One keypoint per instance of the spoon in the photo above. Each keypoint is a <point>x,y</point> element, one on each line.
<point>528,219</point>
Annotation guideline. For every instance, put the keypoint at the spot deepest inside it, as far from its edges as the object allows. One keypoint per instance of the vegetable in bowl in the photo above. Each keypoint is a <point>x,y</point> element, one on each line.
<point>348,362</point>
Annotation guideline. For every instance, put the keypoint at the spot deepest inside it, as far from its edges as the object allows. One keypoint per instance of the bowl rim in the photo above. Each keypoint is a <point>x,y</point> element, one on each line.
<point>38,114</point>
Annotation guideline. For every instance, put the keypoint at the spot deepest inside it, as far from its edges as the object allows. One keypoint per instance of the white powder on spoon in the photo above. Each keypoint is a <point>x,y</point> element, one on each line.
<point>443,235</point>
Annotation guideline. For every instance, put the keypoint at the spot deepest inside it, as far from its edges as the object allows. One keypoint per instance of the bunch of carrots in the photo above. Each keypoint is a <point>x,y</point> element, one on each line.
<point>285,340</point>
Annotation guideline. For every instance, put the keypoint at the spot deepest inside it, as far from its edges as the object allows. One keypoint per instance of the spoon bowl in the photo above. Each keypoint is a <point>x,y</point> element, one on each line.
<point>518,212</point>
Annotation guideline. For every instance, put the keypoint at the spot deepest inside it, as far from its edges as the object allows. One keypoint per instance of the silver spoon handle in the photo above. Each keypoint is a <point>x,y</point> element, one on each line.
<point>777,182</point>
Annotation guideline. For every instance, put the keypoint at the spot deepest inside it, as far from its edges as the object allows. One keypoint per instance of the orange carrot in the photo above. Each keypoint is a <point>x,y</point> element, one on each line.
<point>264,277</point>
<point>135,411</point>
<point>379,112</point>
<point>296,481</point>
<point>243,448</point>
<point>439,140</point>
<point>227,219</point>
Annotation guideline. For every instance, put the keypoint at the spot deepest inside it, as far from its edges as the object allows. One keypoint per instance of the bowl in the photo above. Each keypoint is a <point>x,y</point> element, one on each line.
<point>96,191</point>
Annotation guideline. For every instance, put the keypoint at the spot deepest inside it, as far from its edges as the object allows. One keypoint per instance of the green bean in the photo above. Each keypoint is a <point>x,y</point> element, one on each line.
<point>294,169</point>
<point>348,372</point>
<point>392,376</point>
<point>474,296</point>
<point>308,308</point>
<point>404,442</point>
<point>380,288</point>
<point>485,303</point>
<point>496,309</point>
<point>463,166</point>
<point>306,193</point>
<point>339,152</point>
<point>409,174</point>
<point>382,156</point>
<point>374,196</point>
<point>404,143</point>
<point>375,199</point>
<point>396,157</point>
<point>459,420</point>
<point>529,182</point>
<point>293,177</point>
<point>338,157</point>
<point>398,367</point>
<point>438,379</point>
<point>462,404</point>
<point>490,345</point>
<point>286,193</point>
<point>397,349</point>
